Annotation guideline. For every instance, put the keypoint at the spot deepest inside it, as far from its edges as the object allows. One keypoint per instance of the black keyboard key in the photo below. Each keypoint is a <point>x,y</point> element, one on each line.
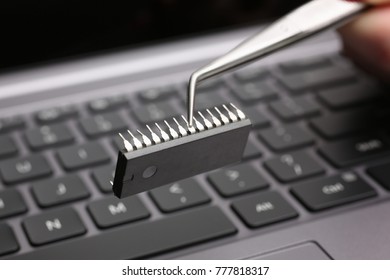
<point>49,136</point>
<point>250,92</point>
<point>56,114</point>
<point>11,123</point>
<point>83,156</point>
<point>305,64</point>
<point>381,174</point>
<point>111,211</point>
<point>180,195</point>
<point>57,191</point>
<point>157,94</point>
<point>332,191</point>
<point>291,109</point>
<point>250,74</point>
<point>8,242</point>
<point>251,151</point>
<point>293,166</point>
<point>321,77</point>
<point>208,100</point>
<point>107,104</point>
<point>24,169</point>
<point>98,125</point>
<point>350,94</point>
<point>7,146</point>
<point>53,226</point>
<point>155,112</point>
<point>355,150</point>
<point>286,137</point>
<point>257,117</point>
<point>134,241</point>
<point>11,203</point>
<point>237,180</point>
<point>263,209</point>
<point>102,177</point>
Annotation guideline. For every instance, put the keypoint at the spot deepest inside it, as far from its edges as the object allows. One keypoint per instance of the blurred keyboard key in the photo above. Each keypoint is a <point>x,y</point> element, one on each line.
<point>237,180</point>
<point>381,174</point>
<point>291,109</point>
<point>250,92</point>
<point>157,94</point>
<point>305,64</point>
<point>286,137</point>
<point>250,74</point>
<point>24,169</point>
<point>179,195</point>
<point>81,156</point>
<point>11,203</point>
<point>107,104</point>
<point>155,112</point>
<point>56,114</point>
<point>293,166</point>
<point>111,211</point>
<point>257,118</point>
<point>8,242</point>
<point>49,136</point>
<point>53,226</point>
<point>332,191</point>
<point>11,123</point>
<point>7,147</point>
<point>98,125</point>
<point>264,209</point>
<point>57,191</point>
<point>208,100</point>
<point>102,177</point>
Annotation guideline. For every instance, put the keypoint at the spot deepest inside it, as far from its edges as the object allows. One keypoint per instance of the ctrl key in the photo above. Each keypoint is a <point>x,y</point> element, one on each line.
<point>333,191</point>
<point>8,243</point>
<point>264,209</point>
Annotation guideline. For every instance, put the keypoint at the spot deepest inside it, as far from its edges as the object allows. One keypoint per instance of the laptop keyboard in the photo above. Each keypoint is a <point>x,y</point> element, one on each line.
<point>310,119</point>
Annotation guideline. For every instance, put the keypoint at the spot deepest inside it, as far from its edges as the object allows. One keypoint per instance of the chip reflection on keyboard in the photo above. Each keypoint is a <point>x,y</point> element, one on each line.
<point>175,150</point>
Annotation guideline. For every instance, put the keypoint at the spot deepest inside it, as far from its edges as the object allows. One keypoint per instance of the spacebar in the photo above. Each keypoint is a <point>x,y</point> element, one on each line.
<point>146,239</point>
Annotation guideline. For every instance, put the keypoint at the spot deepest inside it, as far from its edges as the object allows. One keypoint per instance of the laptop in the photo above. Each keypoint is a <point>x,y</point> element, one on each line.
<point>313,182</point>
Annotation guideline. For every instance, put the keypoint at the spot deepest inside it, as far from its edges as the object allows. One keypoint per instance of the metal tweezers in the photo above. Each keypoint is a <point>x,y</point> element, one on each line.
<point>306,20</point>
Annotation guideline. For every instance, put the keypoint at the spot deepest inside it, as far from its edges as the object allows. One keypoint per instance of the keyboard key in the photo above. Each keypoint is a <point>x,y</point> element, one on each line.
<point>157,94</point>
<point>180,195</point>
<point>49,136</point>
<point>57,191</point>
<point>350,94</point>
<point>321,77</point>
<point>155,112</point>
<point>291,109</point>
<point>11,203</point>
<point>293,166</point>
<point>208,100</point>
<point>134,241</point>
<point>257,117</point>
<point>24,169</point>
<point>7,146</point>
<point>56,114</point>
<point>237,180</point>
<point>82,156</point>
<point>251,151</point>
<point>355,150</point>
<point>107,104</point>
<point>10,123</point>
<point>8,242</point>
<point>263,209</point>
<point>286,137</point>
<point>381,174</point>
<point>305,64</point>
<point>111,211</point>
<point>250,92</point>
<point>53,226</point>
<point>250,74</point>
<point>102,177</point>
<point>332,191</point>
<point>108,123</point>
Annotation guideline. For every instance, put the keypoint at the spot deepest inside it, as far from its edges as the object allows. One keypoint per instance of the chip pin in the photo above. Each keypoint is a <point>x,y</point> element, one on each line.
<point>207,123</point>
<point>198,125</point>
<point>240,114</point>
<point>126,143</point>
<point>173,132</point>
<point>145,139</point>
<point>224,119</point>
<point>137,143</point>
<point>164,135</point>
<point>191,129</point>
<point>182,131</point>
<point>215,120</point>
<point>155,137</point>
<point>232,116</point>
<point>112,183</point>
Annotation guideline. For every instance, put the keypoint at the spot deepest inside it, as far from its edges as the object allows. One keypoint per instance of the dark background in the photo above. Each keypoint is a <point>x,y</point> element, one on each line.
<point>40,31</point>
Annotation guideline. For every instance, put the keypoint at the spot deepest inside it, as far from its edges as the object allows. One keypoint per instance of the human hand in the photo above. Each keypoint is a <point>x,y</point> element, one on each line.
<point>366,40</point>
